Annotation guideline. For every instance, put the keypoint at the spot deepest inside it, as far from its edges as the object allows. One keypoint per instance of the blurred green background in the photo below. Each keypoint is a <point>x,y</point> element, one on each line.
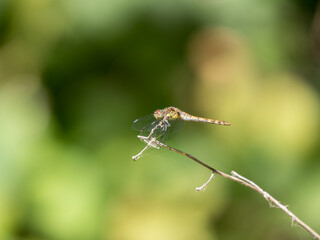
<point>75,74</point>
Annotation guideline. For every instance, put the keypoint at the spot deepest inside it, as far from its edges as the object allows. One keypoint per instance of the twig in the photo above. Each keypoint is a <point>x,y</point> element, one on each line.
<point>152,142</point>
<point>204,186</point>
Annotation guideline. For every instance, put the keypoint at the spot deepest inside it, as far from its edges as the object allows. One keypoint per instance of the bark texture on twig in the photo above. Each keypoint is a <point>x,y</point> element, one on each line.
<point>152,142</point>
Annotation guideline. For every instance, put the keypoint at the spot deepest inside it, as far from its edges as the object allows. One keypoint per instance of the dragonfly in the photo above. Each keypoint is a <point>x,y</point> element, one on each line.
<point>165,122</point>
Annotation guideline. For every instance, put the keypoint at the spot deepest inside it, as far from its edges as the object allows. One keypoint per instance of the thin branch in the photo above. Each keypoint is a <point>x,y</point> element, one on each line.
<point>152,142</point>
<point>204,186</point>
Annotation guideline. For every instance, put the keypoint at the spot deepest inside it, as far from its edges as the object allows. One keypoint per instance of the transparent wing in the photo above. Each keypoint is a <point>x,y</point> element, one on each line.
<point>143,123</point>
<point>157,132</point>
<point>145,126</point>
<point>147,123</point>
<point>174,127</point>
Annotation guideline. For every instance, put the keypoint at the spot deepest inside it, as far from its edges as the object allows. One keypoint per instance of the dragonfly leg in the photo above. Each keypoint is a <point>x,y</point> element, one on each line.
<point>164,127</point>
<point>167,123</point>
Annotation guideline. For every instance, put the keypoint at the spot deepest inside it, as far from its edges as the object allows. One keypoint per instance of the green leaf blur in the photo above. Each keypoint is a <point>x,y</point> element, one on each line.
<point>75,74</point>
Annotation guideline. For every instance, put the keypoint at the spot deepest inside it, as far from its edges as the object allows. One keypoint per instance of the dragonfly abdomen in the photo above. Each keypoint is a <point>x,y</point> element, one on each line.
<point>188,117</point>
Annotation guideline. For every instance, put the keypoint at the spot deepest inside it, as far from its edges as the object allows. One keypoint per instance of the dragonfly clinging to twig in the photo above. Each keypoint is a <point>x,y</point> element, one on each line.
<point>164,122</point>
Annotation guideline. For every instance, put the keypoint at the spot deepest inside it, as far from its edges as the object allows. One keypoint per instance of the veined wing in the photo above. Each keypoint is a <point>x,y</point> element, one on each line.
<point>145,123</point>
<point>172,128</point>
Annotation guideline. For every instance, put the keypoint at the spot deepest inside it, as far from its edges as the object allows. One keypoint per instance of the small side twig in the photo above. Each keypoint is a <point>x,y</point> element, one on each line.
<point>152,142</point>
<point>204,186</point>
<point>150,139</point>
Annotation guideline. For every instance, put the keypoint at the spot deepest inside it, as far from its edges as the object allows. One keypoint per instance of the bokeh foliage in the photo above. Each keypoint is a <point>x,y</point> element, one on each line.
<point>75,74</point>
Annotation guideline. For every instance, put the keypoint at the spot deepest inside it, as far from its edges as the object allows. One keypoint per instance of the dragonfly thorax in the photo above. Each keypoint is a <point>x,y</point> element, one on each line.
<point>169,113</point>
